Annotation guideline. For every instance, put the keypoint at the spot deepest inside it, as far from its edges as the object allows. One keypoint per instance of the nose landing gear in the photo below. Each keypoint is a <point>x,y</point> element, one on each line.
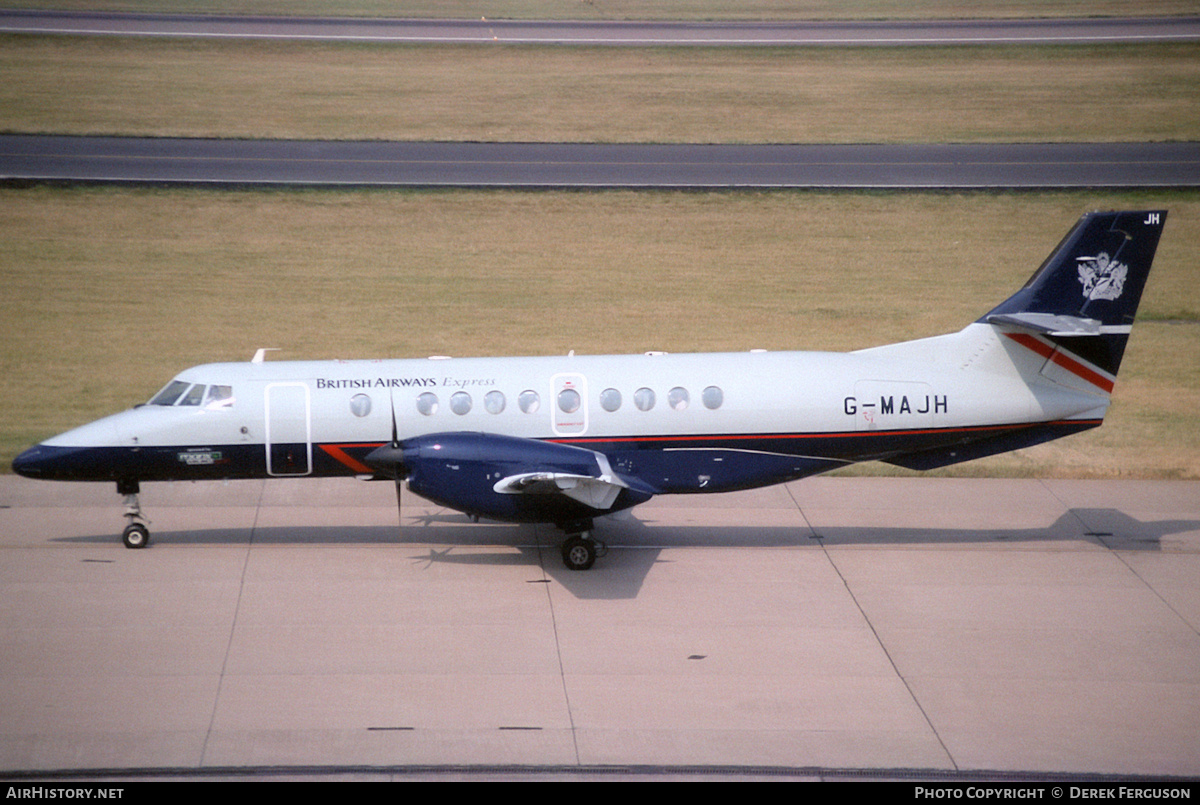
<point>136,533</point>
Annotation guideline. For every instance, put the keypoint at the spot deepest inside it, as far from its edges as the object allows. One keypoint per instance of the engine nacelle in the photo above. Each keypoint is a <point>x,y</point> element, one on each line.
<point>462,470</point>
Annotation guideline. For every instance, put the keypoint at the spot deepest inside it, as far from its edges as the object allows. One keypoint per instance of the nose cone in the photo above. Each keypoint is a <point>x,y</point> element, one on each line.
<point>53,463</point>
<point>33,463</point>
<point>88,453</point>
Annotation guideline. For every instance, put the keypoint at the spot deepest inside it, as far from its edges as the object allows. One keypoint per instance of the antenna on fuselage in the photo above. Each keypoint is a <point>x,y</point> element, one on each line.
<point>261,355</point>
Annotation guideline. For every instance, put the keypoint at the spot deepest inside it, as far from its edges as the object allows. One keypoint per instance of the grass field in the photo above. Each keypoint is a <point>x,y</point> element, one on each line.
<point>194,88</point>
<point>109,292</point>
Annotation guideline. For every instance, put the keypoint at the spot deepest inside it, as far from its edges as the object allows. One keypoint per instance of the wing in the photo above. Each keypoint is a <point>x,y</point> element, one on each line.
<point>599,493</point>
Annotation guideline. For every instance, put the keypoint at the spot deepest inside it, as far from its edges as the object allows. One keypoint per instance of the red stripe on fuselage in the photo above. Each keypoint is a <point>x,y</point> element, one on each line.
<point>338,453</point>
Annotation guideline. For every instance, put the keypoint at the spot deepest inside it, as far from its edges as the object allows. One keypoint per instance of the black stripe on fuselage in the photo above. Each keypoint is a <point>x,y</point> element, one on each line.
<point>188,462</point>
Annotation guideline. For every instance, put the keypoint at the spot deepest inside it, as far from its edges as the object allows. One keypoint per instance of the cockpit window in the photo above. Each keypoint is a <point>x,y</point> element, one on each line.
<point>171,393</point>
<point>222,397</point>
<point>180,392</point>
<point>194,395</point>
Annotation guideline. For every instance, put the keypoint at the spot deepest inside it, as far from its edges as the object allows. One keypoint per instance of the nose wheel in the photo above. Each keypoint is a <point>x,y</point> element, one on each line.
<point>136,534</point>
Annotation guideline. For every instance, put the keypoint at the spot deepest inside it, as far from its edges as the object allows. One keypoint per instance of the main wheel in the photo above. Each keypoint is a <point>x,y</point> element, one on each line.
<point>136,535</point>
<point>579,553</point>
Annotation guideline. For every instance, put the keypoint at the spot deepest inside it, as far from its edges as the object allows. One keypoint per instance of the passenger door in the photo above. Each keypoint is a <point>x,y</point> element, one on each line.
<point>288,429</point>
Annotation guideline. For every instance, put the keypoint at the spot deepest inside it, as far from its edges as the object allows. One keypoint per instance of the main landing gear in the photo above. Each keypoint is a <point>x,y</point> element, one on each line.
<point>579,550</point>
<point>136,533</point>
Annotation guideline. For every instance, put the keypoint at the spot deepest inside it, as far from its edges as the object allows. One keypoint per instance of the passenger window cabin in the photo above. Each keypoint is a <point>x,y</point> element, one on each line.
<point>529,401</point>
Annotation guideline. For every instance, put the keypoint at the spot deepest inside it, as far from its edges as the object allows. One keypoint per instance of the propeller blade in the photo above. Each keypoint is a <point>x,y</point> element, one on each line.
<point>395,428</point>
<point>399,508</point>
<point>396,447</point>
<point>388,459</point>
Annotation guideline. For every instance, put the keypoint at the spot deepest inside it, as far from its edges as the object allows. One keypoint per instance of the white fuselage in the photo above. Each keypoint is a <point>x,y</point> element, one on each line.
<point>967,379</point>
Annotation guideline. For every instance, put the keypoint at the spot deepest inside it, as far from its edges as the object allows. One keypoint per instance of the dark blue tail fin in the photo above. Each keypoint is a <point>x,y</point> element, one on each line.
<point>1084,297</point>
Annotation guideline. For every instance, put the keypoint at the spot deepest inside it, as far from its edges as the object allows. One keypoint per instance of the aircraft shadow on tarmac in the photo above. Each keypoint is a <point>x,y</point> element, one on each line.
<point>1111,528</point>
<point>636,545</point>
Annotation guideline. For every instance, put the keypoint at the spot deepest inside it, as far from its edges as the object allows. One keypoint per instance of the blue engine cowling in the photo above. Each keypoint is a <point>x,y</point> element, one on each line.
<point>461,470</point>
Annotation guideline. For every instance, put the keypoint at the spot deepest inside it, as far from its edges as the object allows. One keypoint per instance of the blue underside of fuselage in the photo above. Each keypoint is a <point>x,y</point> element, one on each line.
<point>659,465</point>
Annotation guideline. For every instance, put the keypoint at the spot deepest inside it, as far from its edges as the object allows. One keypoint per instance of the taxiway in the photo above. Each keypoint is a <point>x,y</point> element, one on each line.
<point>950,626</point>
<point>789,33</point>
<point>593,165</point>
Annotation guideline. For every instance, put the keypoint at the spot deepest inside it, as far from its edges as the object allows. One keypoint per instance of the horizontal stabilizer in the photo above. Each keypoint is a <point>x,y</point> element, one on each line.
<point>598,493</point>
<point>1048,323</point>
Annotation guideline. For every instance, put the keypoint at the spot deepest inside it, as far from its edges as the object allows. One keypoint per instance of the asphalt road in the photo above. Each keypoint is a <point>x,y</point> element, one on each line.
<point>789,33</point>
<point>584,165</point>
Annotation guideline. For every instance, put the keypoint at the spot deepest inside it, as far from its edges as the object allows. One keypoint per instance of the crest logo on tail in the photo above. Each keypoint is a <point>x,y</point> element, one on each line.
<point>1102,277</point>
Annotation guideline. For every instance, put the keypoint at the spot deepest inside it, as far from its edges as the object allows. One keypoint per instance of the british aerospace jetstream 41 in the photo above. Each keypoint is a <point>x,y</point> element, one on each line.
<point>566,439</point>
